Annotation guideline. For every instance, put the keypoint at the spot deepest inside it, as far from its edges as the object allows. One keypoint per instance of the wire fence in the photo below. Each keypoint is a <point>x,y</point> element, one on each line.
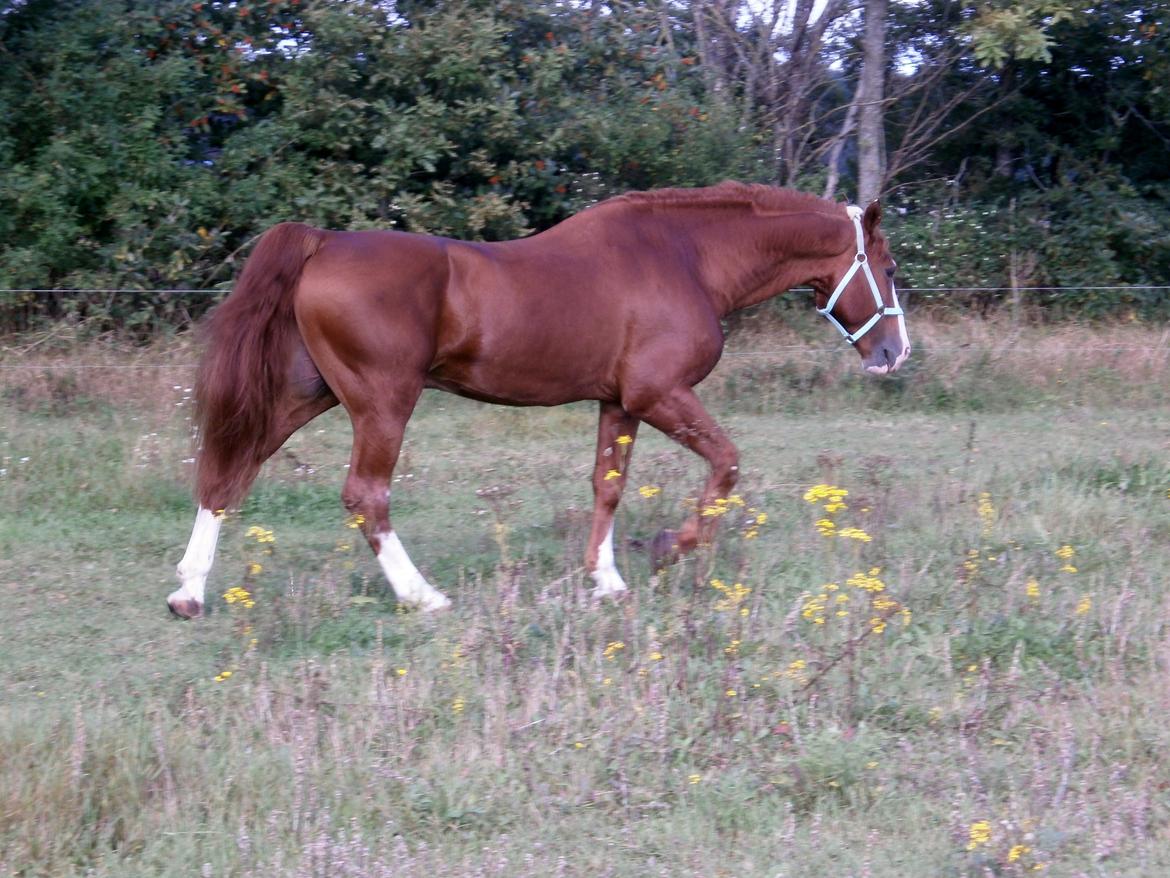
<point>30,297</point>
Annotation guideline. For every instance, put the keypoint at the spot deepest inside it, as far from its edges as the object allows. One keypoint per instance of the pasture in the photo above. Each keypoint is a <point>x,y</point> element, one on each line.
<point>958,668</point>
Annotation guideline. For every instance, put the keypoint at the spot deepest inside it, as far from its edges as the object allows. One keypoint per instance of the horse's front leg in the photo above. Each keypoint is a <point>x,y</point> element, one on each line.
<point>616,432</point>
<point>681,416</point>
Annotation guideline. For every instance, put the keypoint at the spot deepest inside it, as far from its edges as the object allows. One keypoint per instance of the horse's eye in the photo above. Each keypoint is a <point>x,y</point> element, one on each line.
<point>891,271</point>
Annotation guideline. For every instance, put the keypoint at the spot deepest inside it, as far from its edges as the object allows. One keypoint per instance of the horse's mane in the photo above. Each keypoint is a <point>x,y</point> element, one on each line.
<point>766,199</point>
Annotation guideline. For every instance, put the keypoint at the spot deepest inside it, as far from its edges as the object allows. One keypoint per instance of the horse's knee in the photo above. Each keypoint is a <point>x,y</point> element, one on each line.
<point>733,470</point>
<point>607,490</point>
<point>351,499</point>
<point>725,467</point>
<point>365,497</point>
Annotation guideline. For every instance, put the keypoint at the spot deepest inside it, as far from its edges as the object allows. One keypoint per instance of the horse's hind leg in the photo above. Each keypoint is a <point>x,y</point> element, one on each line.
<point>291,414</point>
<point>377,439</point>
<point>616,432</point>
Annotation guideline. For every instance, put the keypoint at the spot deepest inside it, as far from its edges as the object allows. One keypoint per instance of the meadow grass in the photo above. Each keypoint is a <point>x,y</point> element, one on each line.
<point>956,668</point>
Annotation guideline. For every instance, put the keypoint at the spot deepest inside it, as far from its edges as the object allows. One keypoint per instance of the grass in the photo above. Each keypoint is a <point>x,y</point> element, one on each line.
<point>1011,721</point>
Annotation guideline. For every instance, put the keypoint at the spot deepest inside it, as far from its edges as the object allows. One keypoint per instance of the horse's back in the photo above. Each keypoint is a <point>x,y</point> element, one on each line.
<point>538,321</point>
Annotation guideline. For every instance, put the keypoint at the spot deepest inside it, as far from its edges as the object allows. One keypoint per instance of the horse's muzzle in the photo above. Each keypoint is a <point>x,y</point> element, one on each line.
<point>886,360</point>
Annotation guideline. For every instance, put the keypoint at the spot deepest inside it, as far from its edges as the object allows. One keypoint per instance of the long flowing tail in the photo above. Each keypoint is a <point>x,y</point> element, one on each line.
<point>245,365</point>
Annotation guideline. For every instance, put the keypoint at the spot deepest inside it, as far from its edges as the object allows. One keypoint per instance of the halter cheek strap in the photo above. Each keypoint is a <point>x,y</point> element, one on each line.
<point>861,261</point>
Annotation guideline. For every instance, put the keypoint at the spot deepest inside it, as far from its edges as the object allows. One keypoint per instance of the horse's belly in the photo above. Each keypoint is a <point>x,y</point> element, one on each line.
<point>547,377</point>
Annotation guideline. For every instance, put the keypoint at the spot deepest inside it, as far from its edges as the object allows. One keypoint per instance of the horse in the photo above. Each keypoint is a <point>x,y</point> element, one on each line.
<point>620,303</point>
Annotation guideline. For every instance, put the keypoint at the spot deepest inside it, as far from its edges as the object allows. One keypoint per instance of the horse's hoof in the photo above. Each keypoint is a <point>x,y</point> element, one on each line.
<point>185,608</point>
<point>663,550</point>
<point>435,603</point>
<point>608,584</point>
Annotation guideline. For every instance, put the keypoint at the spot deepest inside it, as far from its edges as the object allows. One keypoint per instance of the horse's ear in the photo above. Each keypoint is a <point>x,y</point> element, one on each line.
<point>872,217</point>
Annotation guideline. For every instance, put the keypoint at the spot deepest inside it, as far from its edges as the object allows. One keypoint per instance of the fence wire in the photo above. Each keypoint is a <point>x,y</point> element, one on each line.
<point>774,352</point>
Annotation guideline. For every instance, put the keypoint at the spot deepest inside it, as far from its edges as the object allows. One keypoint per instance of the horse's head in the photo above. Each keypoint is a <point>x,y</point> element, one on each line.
<point>859,297</point>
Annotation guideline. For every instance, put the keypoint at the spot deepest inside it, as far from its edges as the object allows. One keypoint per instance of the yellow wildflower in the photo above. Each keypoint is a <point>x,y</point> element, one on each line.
<point>867,581</point>
<point>624,440</point>
<point>649,491</point>
<point>613,648</point>
<point>832,493</point>
<point>1017,851</point>
<point>694,778</point>
<point>734,595</point>
<point>854,533</point>
<point>814,608</point>
<point>1032,589</point>
<point>612,474</point>
<point>1084,605</point>
<point>979,834</point>
<point>238,595</point>
<point>986,512</point>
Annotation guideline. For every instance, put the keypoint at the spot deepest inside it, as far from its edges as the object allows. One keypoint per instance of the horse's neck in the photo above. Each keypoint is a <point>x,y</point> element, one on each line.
<point>746,258</point>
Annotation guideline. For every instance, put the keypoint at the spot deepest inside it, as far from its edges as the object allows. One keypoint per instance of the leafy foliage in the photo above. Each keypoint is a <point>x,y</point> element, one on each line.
<point>144,146</point>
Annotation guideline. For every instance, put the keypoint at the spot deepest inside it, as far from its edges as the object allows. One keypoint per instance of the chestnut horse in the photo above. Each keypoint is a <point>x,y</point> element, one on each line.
<point>621,304</point>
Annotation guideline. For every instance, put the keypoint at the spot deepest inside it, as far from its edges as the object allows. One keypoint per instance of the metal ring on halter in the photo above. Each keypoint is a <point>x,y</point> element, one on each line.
<point>861,260</point>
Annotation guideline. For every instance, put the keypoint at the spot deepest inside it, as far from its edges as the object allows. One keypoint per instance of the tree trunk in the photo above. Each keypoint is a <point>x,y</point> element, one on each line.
<point>834,160</point>
<point>871,140</point>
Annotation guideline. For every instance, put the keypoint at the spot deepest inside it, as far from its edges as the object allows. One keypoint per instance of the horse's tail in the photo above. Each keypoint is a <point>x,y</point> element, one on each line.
<point>245,367</point>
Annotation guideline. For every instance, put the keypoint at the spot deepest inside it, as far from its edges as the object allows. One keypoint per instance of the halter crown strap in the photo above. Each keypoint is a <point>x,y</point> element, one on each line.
<point>860,261</point>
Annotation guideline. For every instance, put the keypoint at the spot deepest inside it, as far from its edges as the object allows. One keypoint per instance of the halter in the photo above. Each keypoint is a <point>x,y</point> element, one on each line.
<point>862,262</point>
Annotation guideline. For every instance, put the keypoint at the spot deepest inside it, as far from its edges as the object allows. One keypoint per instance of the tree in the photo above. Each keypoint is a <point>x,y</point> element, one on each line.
<point>871,134</point>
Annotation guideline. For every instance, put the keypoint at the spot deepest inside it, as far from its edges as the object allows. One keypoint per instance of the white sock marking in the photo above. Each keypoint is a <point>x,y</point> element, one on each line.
<point>606,577</point>
<point>197,560</point>
<point>902,334</point>
<point>409,585</point>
